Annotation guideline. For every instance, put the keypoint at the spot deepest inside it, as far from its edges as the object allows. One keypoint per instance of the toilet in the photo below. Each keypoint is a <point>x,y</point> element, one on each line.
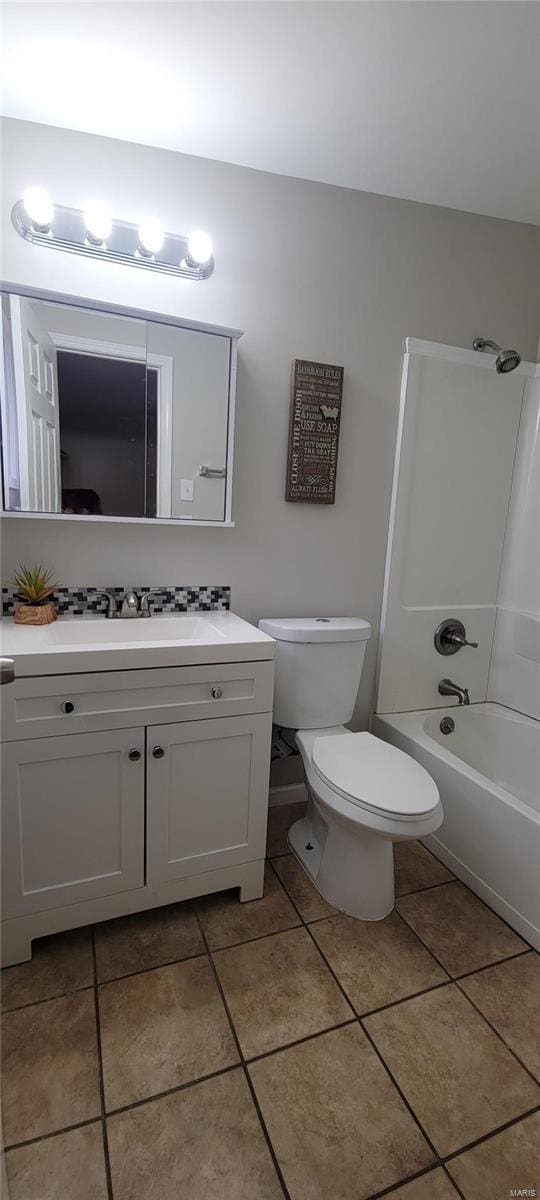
<point>364,794</point>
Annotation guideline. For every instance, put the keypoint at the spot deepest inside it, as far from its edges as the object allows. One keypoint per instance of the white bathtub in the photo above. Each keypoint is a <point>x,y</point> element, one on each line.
<point>488,775</point>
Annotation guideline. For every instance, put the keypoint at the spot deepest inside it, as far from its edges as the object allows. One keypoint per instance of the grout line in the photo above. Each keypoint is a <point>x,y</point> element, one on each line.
<point>499,1035</point>
<point>488,966</point>
<point>101,1080</point>
<point>390,1191</point>
<point>434,987</point>
<point>487,1137</point>
<point>309,1037</point>
<point>180,1087</point>
<point>426,887</point>
<point>402,1095</point>
<point>247,1076</point>
<point>88,987</point>
<point>173,962</point>
<point>45,1137</point>
<point>453,1182</point>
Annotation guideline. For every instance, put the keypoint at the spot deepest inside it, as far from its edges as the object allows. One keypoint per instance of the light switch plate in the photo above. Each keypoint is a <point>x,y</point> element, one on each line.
<point>186,489</point>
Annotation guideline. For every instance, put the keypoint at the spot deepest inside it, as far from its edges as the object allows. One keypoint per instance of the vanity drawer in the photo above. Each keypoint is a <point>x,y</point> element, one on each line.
<point>51,705</point>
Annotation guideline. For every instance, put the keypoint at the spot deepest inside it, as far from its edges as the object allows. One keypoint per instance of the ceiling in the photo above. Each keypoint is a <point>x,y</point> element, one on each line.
<point>430,101</point>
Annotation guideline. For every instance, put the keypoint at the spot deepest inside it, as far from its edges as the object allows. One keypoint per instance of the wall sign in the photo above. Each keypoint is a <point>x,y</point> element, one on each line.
<point>315,417</point>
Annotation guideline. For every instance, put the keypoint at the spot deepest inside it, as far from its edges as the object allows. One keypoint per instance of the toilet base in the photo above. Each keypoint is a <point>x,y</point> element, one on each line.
<point>353,871</point>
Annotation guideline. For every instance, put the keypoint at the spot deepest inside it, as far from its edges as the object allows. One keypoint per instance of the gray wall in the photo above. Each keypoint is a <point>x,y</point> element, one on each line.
<point>309,271</point>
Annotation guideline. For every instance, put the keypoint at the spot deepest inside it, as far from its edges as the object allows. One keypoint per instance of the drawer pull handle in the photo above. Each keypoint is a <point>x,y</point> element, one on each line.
<point>134,755</point>
<point>67,706</point>
<point>217,693</point>
<point>158,752</point>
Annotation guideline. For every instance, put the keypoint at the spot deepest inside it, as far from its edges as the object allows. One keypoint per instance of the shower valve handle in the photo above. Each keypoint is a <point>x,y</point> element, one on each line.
<point>458,640</point>
<point>450,636</point>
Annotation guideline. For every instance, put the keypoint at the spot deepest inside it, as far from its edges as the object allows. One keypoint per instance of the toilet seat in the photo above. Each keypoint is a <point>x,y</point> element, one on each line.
<point>375,776</point>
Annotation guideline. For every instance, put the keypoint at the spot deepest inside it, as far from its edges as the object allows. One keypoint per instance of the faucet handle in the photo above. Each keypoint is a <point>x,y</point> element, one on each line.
<point>144,610</point>
<point>112,607</point>
<point>457,640</point>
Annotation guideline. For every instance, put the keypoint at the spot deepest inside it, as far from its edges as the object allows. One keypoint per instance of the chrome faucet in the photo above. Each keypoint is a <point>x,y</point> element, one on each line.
<point>447,688</point>
<point>130,603</point>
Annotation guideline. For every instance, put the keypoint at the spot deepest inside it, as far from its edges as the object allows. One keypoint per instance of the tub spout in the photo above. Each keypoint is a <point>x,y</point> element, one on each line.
<point>447,688</point>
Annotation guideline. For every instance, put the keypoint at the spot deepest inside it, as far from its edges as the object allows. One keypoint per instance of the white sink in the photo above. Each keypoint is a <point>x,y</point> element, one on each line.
<point>81,644</point>
<point>94,631</point>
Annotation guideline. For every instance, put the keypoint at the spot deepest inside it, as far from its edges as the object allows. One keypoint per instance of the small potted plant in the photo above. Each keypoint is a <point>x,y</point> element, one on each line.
<point>34,586</point>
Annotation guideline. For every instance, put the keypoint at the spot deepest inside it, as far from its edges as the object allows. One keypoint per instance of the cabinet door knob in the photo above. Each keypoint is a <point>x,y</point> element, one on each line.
<point>67,706</point>
<point>134,755</point>
<point>158,752</point>
<point>217,693</point>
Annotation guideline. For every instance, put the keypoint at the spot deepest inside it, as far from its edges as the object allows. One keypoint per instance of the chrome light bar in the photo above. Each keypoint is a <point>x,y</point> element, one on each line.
<point>67,230</point>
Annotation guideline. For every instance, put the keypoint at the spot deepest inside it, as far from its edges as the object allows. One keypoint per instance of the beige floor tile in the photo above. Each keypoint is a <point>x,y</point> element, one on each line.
<point>507,1161</point>
<point>455,1072</point>
<point>337,1124</point>
<point>147,939</point>
<point>461,931</point>
<point>280,819</point>
<point>416,868</point>
<point>278,990</point>
<point>435,1185</point>
<point>309,902</point>
<point>161,1029</point>
<point>204,1143</point>
<point>226,921</point>
<point>509,996</point>
<point>50,1066</point>
<point>69,1166</point>
<point>59,964</point>
<point>376,962</point>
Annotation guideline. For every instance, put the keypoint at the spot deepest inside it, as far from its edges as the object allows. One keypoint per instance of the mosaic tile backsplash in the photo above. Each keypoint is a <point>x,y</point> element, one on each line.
<point>79,601</point>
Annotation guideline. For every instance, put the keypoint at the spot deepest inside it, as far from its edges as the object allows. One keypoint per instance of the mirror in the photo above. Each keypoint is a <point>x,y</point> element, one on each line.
<point>114,415</point>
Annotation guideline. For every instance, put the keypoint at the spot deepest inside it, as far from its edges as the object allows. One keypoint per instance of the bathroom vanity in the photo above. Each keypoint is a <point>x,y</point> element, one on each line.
<point>135,767</point>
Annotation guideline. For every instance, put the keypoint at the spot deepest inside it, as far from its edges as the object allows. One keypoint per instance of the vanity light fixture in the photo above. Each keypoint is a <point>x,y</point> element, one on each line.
<point>96,234</point>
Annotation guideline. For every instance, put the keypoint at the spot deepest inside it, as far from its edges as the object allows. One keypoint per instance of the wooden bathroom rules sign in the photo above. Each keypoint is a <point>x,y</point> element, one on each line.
<point>315,417</point>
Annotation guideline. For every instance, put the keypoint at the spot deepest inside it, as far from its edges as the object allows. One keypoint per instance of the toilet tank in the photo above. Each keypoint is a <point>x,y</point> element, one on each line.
<point>319,662</point>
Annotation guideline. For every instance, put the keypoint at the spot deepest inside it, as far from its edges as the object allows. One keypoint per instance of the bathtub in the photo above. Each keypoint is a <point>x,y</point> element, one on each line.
<point>488,774</point>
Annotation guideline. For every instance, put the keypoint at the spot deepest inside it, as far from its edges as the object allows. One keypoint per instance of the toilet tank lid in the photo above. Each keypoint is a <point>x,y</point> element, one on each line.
<point>316,629</point>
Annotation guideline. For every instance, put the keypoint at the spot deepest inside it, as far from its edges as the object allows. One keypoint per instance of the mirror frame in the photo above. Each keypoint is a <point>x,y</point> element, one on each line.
<point>118,310</point>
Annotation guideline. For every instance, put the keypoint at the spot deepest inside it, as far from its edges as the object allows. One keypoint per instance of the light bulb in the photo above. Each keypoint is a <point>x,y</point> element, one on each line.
<point>38,207</point>
<point>151,235</point>
<point>98,221</point>
<point>200,248</point>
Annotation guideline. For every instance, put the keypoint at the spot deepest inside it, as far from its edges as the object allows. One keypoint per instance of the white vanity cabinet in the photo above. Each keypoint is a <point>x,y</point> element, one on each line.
<point>123,790</point>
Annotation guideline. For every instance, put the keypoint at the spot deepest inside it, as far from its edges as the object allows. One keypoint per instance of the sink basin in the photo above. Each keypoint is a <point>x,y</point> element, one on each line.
<point>80,644</point>
<point>94,631</point>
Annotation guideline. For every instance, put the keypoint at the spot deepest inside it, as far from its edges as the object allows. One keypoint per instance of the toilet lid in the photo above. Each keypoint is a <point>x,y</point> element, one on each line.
<point>375,775</point>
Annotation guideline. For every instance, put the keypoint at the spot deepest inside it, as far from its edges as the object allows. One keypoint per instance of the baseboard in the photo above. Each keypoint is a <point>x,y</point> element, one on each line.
<point>289,793</point>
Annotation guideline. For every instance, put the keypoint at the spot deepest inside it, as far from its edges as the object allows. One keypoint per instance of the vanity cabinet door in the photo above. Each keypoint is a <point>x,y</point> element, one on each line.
<point>72,819</point>
<point>207,795</point>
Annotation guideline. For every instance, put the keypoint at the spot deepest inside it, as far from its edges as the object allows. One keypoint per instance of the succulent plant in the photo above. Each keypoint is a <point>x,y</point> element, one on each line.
<point>34,584</point>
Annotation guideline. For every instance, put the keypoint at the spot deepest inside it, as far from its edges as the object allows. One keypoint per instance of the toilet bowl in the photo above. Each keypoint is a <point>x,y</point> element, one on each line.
<point>361,800</point>
<point>364,793</point>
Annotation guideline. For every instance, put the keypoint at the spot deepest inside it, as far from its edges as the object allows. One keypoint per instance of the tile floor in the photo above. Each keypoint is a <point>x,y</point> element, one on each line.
<point>218,1051</point>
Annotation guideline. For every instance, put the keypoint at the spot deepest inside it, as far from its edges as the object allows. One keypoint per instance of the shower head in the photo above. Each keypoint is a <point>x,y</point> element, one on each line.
<point>506,360</point>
